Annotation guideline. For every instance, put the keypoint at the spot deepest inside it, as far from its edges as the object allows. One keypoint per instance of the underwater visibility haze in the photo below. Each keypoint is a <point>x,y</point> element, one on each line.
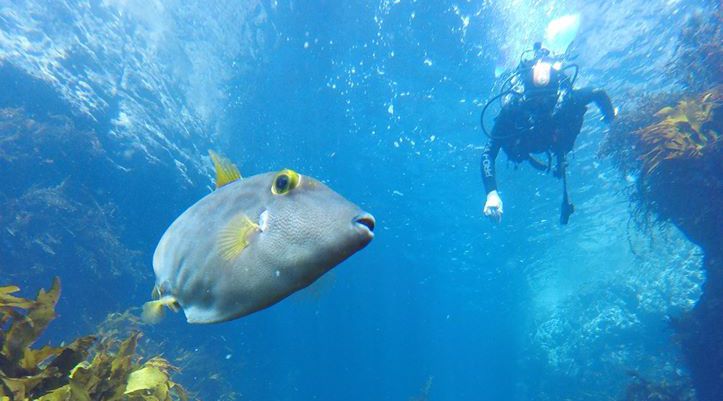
<point>348,120</point>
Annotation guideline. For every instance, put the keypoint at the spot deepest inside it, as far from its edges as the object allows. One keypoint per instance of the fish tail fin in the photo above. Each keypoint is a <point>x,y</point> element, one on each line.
<point>153,311</point>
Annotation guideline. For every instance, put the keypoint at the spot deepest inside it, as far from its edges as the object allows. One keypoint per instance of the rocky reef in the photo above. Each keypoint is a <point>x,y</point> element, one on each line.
<point>641,389</point>
<point>669,146</point>
<point>89,368</point>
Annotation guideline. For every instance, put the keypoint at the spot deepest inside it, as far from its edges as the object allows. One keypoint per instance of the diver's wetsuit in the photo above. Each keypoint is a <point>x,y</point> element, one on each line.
<point>525,127</point>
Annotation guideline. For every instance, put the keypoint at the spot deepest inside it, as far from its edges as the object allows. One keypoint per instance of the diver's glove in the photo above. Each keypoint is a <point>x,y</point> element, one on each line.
<point>493,206</point>
<point>609,116</point>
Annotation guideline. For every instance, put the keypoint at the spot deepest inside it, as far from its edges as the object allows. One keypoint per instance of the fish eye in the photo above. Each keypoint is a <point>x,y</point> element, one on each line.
<point>282,183</point>
<point>285,181</point>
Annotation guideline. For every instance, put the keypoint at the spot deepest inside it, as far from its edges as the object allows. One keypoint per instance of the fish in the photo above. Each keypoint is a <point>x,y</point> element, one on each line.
<point>251,243</point>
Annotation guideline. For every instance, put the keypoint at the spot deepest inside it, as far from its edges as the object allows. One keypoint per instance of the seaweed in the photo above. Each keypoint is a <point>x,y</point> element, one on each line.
<point>200,365</point>
<point>87,369</point>
<point>682,131</point>
<point>671,141</point>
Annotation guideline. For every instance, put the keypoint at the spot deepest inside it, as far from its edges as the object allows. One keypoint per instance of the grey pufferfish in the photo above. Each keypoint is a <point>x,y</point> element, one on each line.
<point>251,243</point>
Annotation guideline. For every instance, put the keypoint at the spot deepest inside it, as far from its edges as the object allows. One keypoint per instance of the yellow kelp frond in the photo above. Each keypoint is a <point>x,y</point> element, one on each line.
<point>226,171</point>
<point>66,373</point>
<point>153,380</point>
<point>118,375</point>
<point>153,310</point>
<point>27,373</point>
<point>24,332</point>
<point>683,131</point>
<point>69,392</point>
<point>7,300</point>
<point>149,380</point>
<point>692,112</point>
<point>234,238</point>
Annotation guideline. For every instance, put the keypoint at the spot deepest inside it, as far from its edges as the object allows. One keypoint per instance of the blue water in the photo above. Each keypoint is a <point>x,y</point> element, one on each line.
<point>381,100</point>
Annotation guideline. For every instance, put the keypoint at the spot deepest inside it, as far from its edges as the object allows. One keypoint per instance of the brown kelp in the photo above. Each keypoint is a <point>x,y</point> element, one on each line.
<point>683,131</point>
<point>86,369</point>
<point>674,146</point>
<point>200,365</point>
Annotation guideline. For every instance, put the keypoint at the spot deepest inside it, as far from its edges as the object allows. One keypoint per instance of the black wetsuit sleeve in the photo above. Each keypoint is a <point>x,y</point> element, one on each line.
<point>601,99</point>
<point>489,154</point>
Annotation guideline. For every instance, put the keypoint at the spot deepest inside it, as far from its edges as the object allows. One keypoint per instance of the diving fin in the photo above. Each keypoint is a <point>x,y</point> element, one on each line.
<point>566,210</point>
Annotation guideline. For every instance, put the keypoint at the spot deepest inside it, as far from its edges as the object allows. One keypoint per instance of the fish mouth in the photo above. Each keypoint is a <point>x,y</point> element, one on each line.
<point>365,222</point>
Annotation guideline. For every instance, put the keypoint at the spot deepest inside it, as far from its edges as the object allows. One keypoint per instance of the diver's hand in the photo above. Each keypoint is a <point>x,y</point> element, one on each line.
<point>493,206</point>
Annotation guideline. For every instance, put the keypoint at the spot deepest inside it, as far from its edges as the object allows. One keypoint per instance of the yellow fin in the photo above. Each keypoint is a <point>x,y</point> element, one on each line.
<point>226,172</point>
<point>234,238</point>
<point>153,310</point>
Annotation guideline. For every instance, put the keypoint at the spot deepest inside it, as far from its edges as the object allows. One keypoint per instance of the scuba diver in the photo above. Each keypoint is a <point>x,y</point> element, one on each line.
<point>541,114</point>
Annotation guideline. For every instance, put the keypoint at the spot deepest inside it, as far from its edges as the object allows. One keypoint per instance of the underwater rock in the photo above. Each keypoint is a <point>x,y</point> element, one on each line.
<point>675,153</point>
<point>86,369</point>
<point>698,61</point>
<point>641,389</point>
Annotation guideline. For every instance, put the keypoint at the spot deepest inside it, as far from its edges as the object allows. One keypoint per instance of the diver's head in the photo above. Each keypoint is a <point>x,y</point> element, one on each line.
<point>540,51</point>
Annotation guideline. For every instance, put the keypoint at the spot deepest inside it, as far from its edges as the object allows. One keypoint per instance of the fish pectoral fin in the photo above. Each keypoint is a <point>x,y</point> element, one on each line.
<point>234,238</point>
<point>153,310</point>
<point>226,171</point>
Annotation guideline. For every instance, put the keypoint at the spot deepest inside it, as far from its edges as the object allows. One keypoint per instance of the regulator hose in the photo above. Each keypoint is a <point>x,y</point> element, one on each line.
<point>574,75</point>
<point>484,111</point>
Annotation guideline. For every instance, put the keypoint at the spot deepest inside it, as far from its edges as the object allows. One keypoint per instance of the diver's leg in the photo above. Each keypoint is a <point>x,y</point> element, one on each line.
<point>560,165</point>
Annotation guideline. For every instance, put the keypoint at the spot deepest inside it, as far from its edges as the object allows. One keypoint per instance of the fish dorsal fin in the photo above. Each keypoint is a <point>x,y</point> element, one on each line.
<point>226,171</point>
<point>234,238</point>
